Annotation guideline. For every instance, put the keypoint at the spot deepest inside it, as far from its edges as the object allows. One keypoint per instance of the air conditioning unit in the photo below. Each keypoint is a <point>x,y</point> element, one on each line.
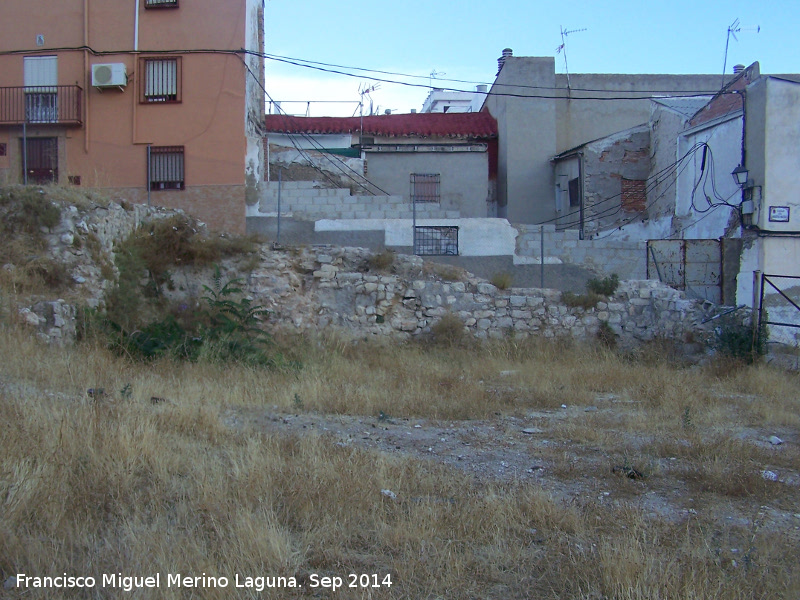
<point>109,75</point>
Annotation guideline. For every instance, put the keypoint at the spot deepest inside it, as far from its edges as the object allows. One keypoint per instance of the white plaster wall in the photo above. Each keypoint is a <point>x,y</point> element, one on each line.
<point>694,219</point>
<point>254,99</point>
<point>311,141</point>
<point>476,237</point>
<point>782,153</point>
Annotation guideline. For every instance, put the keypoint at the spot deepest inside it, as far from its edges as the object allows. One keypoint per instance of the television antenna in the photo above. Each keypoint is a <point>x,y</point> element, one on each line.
<point>733,29</point>
<point>433,75</point>
<point>563,47</point>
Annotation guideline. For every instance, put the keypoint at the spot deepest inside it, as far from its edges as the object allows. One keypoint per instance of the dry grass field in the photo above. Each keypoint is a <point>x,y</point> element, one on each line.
<point>226,471</point>
<point>433,470</point>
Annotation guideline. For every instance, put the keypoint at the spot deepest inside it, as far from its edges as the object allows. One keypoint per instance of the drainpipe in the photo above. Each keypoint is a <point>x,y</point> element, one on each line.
<point>86,77</point>
<point>134,98</point>
<point>580,180</point>
<point>136,28</point>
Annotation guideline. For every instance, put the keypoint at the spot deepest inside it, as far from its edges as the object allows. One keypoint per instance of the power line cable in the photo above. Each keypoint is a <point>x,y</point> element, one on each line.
<point>326,155</point>
<point>306,62</point>
<point>637,95</point>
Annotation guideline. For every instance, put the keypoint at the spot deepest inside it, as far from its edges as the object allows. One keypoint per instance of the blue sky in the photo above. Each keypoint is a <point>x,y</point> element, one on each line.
<point>462,40</point>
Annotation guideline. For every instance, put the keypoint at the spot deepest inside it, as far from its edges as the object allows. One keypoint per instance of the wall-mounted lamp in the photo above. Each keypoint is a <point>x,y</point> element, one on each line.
<point>740,175</point>
<point>751,195</point>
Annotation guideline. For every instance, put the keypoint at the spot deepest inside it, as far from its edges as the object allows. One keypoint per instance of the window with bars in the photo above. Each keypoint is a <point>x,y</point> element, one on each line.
<point>166,169</point>
<point>161,3</point>
<point>161,81</point>
<point>425,187</point>
<point>436,241</point>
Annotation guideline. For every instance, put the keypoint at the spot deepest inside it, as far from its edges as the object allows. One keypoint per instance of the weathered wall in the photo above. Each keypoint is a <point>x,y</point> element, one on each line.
<point>312,200</point>
<point>627,259</point>
<point>704,180</point>
<point>772,129</point>
<point>221,207</point>
<point>310,289</point>
<point>326,287</point>
<point>546,121</point>
<point>464,182</point>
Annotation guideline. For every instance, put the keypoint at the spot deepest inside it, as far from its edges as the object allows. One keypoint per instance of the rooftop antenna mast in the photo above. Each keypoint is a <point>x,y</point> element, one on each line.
<point>433,75</point>
<point>563,46</point>
<point>364,90</point>
<point>733,29</point>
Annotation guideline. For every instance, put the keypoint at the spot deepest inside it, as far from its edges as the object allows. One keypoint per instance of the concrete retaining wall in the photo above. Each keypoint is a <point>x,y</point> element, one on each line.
<point>310,200</point>
<point>628,259</point>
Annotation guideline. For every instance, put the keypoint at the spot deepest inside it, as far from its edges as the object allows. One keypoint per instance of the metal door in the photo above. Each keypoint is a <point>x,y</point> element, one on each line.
<point>41,159</point>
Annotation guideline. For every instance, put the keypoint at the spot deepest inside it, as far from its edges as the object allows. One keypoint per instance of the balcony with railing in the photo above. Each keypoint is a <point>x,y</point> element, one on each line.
<point>41,105</point>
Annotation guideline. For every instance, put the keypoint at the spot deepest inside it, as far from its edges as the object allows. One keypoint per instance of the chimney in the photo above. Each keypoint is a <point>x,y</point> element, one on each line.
<point>738,69</point>
<point>502,60</point>
<point>481,89</point>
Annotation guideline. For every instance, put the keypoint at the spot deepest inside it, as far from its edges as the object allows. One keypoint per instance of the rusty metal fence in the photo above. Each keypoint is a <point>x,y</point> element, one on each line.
<point>784,302</point>
<point>693,266</point>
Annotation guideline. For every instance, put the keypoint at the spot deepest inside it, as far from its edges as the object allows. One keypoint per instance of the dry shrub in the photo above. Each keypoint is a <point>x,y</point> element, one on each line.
<point>585,301</point>
<point>444,272</point>
<point>502,281</point>
<point>177,241</point>
<point>448,331</point>
<point>381,261</point>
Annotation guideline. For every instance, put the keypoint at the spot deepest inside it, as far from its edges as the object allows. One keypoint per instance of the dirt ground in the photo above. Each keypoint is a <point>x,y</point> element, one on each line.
<point>529,451</point>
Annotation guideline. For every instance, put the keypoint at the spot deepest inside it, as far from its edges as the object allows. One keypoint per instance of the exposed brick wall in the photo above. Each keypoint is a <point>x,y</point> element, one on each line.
<point>221,207</point>
<point>634,195</point>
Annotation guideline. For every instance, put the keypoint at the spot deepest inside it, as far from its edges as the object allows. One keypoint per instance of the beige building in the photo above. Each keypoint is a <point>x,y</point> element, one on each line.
<point>542,114</point>
<point>156,101</point>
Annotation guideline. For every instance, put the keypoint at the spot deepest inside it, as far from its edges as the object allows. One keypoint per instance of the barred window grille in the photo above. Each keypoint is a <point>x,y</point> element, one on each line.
<point>162,80</point>
<point>160,3</point>
<point>166,168</point>
<point>436,241</point>
<point>425,187</point>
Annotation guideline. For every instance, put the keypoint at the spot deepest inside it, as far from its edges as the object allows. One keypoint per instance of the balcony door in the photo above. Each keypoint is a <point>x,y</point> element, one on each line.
<point>41,98</point>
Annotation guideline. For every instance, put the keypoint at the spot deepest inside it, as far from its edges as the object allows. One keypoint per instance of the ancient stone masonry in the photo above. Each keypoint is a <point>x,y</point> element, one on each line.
<point>339,292</point>
<point>320,287</point>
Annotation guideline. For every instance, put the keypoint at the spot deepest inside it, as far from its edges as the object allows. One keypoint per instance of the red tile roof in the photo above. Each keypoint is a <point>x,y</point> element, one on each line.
<point>454,125</point>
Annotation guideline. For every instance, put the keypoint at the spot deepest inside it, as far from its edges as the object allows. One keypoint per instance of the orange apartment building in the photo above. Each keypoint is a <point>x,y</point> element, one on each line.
<point>156,101</point>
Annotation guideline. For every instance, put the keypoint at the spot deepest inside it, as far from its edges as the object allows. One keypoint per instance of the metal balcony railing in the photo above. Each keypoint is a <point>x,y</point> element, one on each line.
<point>41,105</point>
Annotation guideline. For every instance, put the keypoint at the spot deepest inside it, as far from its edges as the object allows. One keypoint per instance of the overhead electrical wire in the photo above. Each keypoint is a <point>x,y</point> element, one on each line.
<point>657,179</point>
<point>334,160</point>
<point>302,61</point>
<point>637,95</point>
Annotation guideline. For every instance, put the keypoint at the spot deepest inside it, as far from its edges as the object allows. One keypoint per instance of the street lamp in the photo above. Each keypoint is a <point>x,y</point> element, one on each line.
<point>747,207</point>
<point>740,174</point>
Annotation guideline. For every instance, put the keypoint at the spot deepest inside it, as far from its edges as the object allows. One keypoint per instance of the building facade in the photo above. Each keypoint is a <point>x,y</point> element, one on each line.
<point>541,114</point>
<point>156,101</point>
<point>446,160</point>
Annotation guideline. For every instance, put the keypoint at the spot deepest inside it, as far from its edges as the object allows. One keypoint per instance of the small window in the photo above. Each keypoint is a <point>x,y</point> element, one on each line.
<point>161,3</point>
<point>161,81</point>
<point>425,187</point>
<point>166,168</point>
<point>74,179</point>
<point>574,192</point>
<point>3,150</point>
